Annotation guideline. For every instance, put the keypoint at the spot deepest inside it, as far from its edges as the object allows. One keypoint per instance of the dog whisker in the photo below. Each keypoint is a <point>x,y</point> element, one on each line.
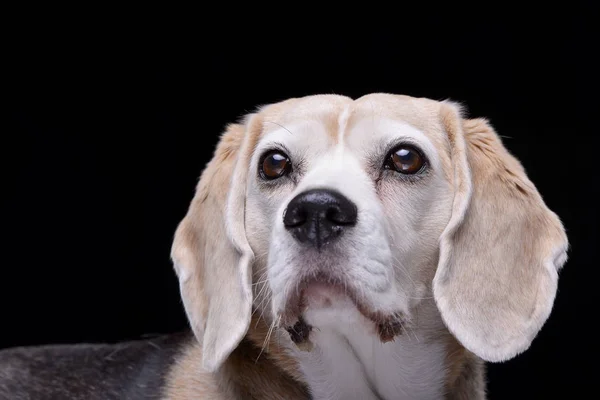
<point>262,307</point>
<point>267,337</point>
<point>261,304</point>
<point>262,288</point>
<point>278,124</point>
<point>402,268</point>
<point>259,282</point>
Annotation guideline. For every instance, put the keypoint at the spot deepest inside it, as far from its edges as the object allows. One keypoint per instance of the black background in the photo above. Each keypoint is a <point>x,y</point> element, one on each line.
<point>112,116</point>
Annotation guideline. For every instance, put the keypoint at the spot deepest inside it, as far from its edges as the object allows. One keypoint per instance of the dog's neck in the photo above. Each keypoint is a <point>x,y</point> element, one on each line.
<point>348,360</point>
<point>341,365</point>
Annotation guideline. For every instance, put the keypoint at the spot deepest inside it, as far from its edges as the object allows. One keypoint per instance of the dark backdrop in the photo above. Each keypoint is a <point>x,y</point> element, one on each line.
<point>111,119</point>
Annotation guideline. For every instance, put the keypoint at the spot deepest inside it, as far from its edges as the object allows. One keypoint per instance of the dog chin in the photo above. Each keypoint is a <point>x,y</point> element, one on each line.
<point>329,307</point>
<point>323,304</point>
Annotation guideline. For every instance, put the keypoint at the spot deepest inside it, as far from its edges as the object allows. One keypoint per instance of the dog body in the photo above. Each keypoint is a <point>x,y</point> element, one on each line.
<point>128,370</point>
<point>378,248</point>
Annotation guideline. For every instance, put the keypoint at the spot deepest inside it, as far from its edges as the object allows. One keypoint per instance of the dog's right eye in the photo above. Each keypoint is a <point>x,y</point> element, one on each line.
<point>274,164</point>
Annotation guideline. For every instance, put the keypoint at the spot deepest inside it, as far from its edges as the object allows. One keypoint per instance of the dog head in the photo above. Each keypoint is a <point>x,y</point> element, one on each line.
<point>324,202</point>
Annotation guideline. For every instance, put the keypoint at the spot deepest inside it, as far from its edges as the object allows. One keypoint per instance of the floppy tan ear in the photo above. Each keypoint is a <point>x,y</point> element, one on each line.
<point>502,249</point>
<point>211,255</point>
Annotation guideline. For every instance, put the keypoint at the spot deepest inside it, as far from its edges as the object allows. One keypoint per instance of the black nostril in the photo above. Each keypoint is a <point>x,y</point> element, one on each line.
<point>294,216</point>
<point>332,214</point>
<point>345,216</point>
<point>318,216</point>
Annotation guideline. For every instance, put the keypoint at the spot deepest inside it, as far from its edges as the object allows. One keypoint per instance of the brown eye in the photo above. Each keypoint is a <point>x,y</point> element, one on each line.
<point>405,159</point>
<point>274,165</point>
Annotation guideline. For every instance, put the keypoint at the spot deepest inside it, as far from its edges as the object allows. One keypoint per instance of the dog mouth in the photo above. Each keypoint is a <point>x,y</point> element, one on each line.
<point>318,291</point>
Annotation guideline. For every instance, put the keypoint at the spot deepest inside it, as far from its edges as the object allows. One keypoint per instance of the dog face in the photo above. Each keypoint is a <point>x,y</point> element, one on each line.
<point>344,209</point>
<point>319,205</point>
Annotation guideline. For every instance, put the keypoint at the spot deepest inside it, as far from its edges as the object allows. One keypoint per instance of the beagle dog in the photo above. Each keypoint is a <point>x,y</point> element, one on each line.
<point>378,248</point>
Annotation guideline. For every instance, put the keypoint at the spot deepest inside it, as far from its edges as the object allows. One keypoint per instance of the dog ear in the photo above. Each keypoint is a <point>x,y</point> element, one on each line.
<point>502,249</point>
<point>210,253</point>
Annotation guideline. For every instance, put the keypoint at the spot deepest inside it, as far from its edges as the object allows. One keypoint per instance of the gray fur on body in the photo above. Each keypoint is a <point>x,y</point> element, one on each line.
<point>120,371</point>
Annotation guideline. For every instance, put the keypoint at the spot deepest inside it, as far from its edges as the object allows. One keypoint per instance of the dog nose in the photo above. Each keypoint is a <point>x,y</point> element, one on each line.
<point>319,216</point>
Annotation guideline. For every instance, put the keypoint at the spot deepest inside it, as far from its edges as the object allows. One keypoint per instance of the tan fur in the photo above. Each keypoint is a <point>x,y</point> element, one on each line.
<point>465,376</point>
<point>213,260</point>
<point>322,108</point>
<point>275,375</point>
<point>247,374</point>
<point>506,268</point>
<point>202,241</point>
<point>456,357</point>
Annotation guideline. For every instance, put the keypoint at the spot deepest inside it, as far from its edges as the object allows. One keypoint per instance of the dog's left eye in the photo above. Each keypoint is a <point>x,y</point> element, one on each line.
<point>275,164</point>
<point>405,159</point>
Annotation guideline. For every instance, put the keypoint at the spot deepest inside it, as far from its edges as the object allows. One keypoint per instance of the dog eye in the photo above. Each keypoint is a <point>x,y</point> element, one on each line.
<point>406,160</point>
<point>275,164</point>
